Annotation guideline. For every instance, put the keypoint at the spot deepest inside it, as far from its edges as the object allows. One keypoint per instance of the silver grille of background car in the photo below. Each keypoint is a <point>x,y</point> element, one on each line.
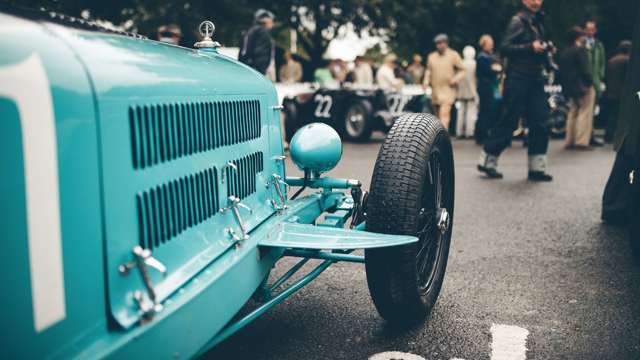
<point>165,132</point>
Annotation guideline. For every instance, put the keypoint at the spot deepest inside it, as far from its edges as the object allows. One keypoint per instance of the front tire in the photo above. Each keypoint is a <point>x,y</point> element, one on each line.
<point>412,193</point>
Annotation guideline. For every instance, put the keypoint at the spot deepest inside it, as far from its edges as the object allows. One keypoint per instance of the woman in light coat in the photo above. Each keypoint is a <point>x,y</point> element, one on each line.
<point>467,96</point>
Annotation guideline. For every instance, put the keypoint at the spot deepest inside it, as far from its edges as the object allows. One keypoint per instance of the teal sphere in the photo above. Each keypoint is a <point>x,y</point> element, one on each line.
<point>316,147</point>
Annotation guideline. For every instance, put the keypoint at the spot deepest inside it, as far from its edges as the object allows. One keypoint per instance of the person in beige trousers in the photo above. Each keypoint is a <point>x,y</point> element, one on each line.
<point>580,121</point>
<point>577,85</point>
<point>444,71</point>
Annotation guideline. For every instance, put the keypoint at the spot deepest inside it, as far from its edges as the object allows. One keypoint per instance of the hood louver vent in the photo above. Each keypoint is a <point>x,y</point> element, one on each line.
<point>242,182</point>
<point>167,210</point>
<point>165,132</point>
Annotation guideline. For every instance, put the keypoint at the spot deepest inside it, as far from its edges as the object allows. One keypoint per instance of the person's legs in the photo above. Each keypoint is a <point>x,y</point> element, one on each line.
<point>593,141</point>
<point>444,113</point>
<point>472,117</point>
<point>612,120</point>
<point>570,132</point>
<point>485,93</point>
<point>538,121</point>
<point>461,121</point>
<point>436,110</point>
<point>499,138</point>
<point>584,119</point>
<point>515,99</point>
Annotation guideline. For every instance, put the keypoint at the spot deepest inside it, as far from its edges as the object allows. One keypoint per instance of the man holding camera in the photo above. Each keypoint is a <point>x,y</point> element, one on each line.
<point>527,49</point>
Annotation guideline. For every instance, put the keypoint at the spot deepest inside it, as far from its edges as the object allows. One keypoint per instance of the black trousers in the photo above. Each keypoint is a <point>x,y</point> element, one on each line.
<point>487,111</point>
<point>613,110</point>
<point>524,97</point>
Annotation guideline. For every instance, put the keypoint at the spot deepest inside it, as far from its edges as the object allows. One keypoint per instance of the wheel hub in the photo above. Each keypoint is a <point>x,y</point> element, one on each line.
<point>355,121</point>
<point>357,118</point>
<point>444,220</point>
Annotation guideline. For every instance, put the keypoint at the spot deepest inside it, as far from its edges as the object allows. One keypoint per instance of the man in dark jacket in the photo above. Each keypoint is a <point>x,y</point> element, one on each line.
<point>577,86</point>
<point>616,72</point>
<point>258,46</point>
<point>527,49</point>
<point>622,194</point>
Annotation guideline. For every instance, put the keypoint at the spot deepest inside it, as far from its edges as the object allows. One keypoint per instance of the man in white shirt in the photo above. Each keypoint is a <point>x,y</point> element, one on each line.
<point>386,77</point>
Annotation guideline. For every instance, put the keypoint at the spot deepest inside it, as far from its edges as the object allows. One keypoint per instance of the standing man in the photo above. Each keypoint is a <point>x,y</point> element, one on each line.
<point>597,62</point>
<point>526,47</point>
<point>488,69</point>
<point>444,71</point>
<point>258,46</point>
<point>616,73</point>
<point>467,96</point>
<point>622,192</point>
<point>577,85</point>
<point>291,70</point>
<point>416,69</point>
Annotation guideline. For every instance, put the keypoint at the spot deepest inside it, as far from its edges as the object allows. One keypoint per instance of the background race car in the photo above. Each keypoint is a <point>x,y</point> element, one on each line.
<point>355,112</point>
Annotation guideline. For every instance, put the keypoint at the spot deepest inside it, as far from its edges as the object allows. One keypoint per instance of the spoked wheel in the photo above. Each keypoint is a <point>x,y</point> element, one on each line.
<point>357,124</point>
<point>412,193</point>
<point>434,224</point>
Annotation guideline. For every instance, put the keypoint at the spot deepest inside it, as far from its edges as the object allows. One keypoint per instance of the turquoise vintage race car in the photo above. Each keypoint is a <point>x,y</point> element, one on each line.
<point>145,200</point>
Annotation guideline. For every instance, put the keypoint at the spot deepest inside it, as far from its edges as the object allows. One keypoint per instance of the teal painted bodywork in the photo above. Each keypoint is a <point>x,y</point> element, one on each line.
<point>152,141</point>
<point>144,75</point>
<point>306,236</point>
<point>316,147</point>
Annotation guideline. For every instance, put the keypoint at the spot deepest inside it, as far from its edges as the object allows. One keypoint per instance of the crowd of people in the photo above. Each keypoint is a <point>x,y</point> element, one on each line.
<point>492,94</point>
<point>483,91</point>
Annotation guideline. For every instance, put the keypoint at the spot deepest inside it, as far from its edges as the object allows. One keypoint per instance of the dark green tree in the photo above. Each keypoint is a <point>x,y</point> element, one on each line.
<point>408,25</point>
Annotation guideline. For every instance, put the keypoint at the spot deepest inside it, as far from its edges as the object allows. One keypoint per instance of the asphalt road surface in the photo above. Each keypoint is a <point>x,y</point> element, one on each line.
<point>532,274</point>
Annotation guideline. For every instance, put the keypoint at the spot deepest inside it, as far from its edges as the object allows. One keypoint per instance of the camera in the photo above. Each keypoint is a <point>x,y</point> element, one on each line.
<point>548,46</point>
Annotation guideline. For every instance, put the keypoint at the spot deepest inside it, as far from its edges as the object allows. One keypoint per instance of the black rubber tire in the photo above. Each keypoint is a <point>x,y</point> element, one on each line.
<point>400,188</point>
<point>366,109</point>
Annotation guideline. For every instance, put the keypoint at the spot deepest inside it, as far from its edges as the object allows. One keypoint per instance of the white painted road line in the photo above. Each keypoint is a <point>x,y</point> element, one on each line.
<point>395,355</point>
<point>508,342</point>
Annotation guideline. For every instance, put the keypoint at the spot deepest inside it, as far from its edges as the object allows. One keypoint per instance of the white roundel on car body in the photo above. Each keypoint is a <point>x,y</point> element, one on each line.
<point>26,84</point>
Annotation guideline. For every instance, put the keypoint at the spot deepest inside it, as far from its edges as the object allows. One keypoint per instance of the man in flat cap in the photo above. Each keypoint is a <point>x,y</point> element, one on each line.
<point>444,71</point>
